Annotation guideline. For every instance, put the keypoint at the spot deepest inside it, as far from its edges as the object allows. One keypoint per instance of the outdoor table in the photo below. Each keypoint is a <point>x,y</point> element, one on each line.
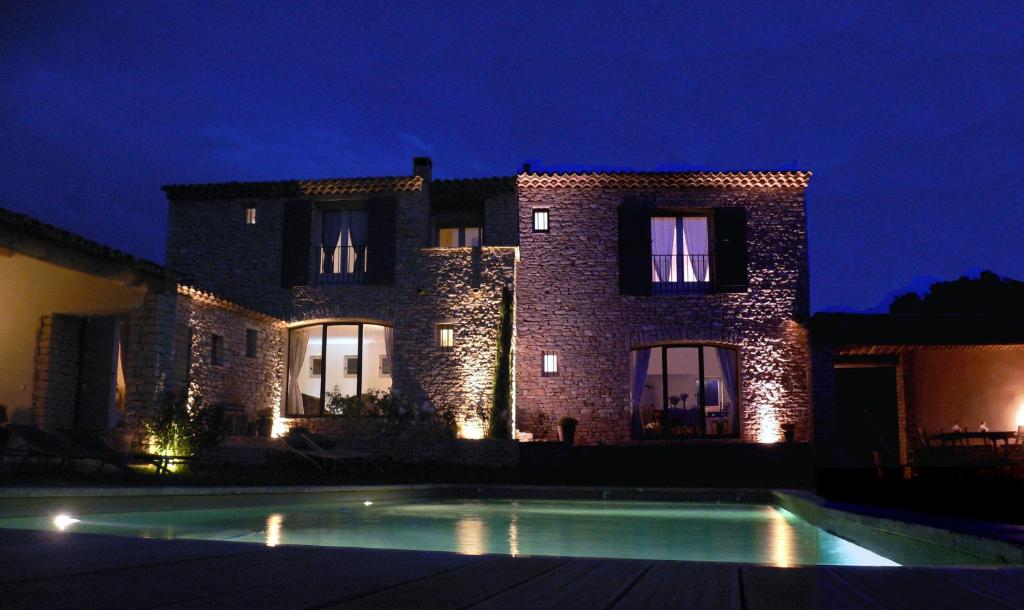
<point>991,437</point>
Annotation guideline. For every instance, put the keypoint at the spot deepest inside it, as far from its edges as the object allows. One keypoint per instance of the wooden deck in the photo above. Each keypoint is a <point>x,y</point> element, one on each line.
<point>55,570</point>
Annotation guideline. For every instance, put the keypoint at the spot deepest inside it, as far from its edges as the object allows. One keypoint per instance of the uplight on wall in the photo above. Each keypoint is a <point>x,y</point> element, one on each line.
<point>472,429</point>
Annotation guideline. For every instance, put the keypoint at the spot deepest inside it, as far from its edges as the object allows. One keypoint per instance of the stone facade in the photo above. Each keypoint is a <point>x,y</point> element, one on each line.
<point>54,391</point>
<point>254,382</point>
<point>569,301</point>
<point>213,248</point>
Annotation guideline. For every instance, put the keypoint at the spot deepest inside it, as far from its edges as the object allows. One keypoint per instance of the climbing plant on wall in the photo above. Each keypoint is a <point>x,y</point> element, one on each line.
<point>501,405</point>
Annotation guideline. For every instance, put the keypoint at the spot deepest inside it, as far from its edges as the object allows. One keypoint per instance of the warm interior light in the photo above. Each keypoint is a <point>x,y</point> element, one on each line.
<point>1020,415</point>
<point>63,521</point>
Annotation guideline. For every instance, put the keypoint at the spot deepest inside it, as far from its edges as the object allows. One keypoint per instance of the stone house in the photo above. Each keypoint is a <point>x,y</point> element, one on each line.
<point>647,306</point>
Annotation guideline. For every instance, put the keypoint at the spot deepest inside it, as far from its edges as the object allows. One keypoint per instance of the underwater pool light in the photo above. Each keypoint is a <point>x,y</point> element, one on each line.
<point>64,521</point>
<point>368,503</point>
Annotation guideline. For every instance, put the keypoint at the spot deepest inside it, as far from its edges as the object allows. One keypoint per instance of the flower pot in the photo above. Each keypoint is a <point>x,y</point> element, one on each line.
<point>567,431</point>
<point>789,433</point>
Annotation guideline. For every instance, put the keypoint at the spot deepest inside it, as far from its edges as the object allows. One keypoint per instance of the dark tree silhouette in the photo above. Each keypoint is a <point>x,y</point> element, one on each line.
<point>988,295</point>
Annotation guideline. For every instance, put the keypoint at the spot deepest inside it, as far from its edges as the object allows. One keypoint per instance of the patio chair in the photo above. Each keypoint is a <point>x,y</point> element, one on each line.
<point>29,442</point>
<point>320,452</point>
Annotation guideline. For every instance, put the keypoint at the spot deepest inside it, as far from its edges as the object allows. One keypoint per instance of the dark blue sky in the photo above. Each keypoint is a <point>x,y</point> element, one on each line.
<point>910,117</point>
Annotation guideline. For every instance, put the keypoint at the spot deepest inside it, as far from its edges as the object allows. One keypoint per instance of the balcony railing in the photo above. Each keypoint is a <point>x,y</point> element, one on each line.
<point>341,265</point>
<point>680,272</point>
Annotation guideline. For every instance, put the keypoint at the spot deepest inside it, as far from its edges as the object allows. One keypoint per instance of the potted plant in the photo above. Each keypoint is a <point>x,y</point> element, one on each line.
<point>789,431</point>
<point>567,430</point>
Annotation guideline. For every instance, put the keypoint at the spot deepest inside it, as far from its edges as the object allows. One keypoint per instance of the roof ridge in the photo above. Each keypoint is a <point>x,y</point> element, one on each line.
<point>673,179</point>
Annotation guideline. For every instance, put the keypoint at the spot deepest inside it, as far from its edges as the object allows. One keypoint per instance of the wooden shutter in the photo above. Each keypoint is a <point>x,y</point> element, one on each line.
<point>380,241</point>
<point>634,250</point>
<point>730,249</point>
<point>296,246</point>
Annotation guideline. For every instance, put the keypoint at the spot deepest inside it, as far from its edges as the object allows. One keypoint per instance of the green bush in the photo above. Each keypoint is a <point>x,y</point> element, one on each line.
<point>501,406</point>
<point>175,428</point>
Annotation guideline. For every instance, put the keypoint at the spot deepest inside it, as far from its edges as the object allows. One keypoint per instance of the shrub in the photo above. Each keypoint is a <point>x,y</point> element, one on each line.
<point>175,428</point>
<point>499,418</point>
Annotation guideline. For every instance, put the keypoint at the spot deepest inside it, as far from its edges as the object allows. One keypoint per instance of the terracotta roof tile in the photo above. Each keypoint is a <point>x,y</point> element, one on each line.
<point>666,180</point>
<point>212,299</point>
<point>284,188</point>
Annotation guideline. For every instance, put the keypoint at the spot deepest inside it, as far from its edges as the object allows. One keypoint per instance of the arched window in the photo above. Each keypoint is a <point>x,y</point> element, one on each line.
<point>327,362</point>
<point>685,390</point>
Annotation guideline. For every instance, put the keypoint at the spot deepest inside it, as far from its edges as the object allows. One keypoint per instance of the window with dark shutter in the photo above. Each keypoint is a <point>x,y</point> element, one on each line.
<point>380,241</point>
<point>634,250</point>
<point>296,253</point>
<point>731,249</point>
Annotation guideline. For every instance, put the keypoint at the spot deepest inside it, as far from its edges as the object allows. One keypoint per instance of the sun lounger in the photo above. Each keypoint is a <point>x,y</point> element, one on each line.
<point>313,450</point>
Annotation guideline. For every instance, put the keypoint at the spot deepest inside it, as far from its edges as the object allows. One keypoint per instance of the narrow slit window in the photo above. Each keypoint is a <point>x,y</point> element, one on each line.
<point>217,350</point>
<point>446,336</point>
<point>550,364</point>
<point>250,215</point>
<point>251,338</point>
<point>540,221</point>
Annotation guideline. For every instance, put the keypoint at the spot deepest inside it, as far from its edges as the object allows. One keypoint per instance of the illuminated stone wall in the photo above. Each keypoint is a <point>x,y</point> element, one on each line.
<point>568,301</point>
<point>210,244</point>
<point>256,383</point>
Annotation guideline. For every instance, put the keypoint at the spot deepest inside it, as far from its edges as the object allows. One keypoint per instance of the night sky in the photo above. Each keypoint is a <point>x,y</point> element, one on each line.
<point>911,118</point>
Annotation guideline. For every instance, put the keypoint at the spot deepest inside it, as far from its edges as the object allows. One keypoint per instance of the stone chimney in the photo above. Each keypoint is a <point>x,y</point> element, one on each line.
<point>421,166</point>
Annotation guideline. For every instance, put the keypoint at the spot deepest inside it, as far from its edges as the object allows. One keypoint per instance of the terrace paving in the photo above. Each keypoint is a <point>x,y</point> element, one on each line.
<point>63,570</point>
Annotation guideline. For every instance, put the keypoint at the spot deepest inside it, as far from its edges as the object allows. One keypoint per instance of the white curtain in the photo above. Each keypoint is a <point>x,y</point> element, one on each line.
<point>639,361</point>
<point>664,249</point>
<point>334,232</point>
<point>356,250</point>
<point>298,342</point>
<point>695,250</point>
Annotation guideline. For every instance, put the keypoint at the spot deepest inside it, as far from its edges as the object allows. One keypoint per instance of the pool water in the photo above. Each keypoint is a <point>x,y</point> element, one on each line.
<point>746,533</point>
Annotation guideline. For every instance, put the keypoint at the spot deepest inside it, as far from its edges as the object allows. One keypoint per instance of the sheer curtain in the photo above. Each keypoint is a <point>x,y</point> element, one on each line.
<point>695,250</point>
<point>639,361</point>
<point>356,241</point>
<point>727,362</point>
<point>664,249</point>
<point>298,342</point>
<point>335,226</point>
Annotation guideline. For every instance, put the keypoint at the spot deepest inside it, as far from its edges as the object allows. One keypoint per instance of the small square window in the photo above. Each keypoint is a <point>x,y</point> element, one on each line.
<point>385,366</point>
<point>550,364</point>
<point>316,366</point>
<point>351,366</point>
<point>446,336</point>
<point>250,215</point>
<point>217,350</point>
<point>540,221</point>
<point>250,343</point>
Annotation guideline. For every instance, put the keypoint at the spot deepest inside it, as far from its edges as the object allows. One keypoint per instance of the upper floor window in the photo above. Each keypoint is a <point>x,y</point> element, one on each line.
<point>217,350</point>
<point>458,237</point>
<point>540,221</point>
<point>343,246</point>
<point>680,256</point>
<point>250,215</point>
<point>446,336</point>
<point>549,364</point>
<point>251,338</point>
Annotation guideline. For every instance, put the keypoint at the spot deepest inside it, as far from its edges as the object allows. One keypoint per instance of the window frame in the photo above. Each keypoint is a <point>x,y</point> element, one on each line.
<point>216,349</point>
<point>441,328</point>
<point>461,239</point>
<point>252,338</point>
<point>736,419</point>
<point>681,286</point>
<point>547,220</point>
<point>323,364</point>
<point>544,355</point>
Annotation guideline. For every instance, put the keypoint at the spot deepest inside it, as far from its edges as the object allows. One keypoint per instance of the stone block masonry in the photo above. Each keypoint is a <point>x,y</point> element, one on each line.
<point>54,391</point>
<point>568,301</point>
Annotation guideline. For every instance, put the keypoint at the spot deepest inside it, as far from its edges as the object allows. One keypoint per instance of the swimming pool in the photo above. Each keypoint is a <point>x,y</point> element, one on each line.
<point>690,531</point>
